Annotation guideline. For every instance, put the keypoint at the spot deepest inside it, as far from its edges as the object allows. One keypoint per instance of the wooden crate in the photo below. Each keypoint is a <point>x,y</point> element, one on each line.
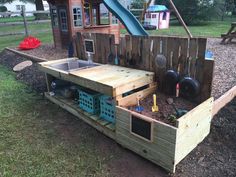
<point>168,144</point>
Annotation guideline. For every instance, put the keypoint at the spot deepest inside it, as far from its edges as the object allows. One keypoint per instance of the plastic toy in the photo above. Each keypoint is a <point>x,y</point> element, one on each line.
<point>139,108</point>
<point>155,107</point>
<point>29,43</point>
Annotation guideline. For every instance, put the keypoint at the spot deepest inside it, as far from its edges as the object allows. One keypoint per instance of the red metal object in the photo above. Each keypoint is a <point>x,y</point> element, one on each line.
<point>29,43</point>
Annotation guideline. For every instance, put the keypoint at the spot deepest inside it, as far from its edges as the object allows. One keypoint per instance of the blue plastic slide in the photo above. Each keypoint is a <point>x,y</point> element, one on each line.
<point>126,17</point>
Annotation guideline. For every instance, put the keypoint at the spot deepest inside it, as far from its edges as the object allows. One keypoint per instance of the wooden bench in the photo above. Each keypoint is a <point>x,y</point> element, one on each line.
<point>228,37</point>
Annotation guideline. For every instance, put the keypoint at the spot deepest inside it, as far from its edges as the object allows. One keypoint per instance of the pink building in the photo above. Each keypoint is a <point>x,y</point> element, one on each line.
<point>157,17</point>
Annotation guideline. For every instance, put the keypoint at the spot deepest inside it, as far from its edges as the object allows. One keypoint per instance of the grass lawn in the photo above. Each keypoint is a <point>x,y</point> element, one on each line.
<point>16,19</point>
<point>42,31</point>
<point>210,29</point>
<point>33,28</point>
<point>31,143</point>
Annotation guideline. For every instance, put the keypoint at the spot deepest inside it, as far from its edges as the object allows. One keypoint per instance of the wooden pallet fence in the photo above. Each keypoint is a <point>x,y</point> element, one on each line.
<point>140,52</point>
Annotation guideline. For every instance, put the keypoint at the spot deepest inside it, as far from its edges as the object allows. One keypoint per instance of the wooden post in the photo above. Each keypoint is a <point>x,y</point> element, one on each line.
<point>25,22</point>
<point>180,19</point>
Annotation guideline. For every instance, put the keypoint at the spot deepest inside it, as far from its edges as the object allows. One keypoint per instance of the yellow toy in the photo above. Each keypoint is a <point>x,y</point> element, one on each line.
<point>155,107</point>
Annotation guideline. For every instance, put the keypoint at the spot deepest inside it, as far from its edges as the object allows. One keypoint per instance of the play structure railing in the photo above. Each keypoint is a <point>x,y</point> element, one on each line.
<point>140,52</point>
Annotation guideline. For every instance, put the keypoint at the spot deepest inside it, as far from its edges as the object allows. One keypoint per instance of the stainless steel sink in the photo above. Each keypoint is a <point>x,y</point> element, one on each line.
<point>72,65</point>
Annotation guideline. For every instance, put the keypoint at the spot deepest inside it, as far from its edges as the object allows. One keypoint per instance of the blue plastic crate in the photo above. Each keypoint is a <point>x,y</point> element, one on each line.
<point>107,108</point>
<point>89,101</point>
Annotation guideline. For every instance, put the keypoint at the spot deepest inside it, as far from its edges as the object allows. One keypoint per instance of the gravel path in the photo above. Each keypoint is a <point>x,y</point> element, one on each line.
<point>225,66</point>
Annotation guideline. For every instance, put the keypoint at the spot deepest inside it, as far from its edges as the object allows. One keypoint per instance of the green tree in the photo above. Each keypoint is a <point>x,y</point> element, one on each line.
<point>137,4</point>
<point>3,9</point>
<point>192,11</point>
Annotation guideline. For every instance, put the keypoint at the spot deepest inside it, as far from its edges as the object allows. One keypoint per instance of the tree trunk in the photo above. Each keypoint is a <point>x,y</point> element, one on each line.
<point>39,6</point>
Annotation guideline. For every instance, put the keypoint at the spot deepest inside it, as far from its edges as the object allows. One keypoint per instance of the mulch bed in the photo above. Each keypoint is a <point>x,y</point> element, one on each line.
<point>46,51</point>
<point>34,78</point>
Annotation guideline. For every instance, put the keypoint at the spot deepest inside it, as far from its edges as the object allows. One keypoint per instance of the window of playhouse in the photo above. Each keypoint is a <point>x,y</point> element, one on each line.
<point>54,17</point>
<point>63,20</point>
<point>77,16</point>
<point>154,15</point>
<point>94,11</point>
<point>114,20</point>
<point>148,15</point>
<point>104,15</point>
<point>87,14</point>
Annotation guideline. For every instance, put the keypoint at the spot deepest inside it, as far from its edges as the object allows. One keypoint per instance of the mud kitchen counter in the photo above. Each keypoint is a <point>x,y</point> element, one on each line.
<point>161,143</point>
<point>106,79</point>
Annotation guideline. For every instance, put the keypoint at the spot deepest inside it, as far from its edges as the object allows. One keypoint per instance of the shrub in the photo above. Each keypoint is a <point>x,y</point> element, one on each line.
<point>3,9</point>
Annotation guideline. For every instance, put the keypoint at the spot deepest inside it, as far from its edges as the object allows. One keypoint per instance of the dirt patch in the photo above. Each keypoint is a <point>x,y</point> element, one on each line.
<point>215,156</point>
<point>165,109</point>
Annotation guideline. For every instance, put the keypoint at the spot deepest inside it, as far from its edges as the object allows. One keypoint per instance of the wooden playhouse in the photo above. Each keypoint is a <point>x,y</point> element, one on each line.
<point>135,76</point>
<point>72,16</point>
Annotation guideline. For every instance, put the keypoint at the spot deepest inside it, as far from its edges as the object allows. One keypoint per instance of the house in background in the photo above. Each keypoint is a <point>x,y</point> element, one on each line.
<point>72,16</point>
<point>17,5</point>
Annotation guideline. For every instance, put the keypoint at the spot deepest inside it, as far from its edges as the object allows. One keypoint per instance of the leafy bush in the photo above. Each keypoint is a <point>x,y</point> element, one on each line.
<point>3,9</point>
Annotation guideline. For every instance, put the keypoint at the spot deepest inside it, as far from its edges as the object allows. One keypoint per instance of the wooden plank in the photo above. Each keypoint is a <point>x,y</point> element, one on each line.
<point>195,115</point>
<point>128,55</point>
<point>134,84</point>
<point>135,52</point>
<point>25,55</point>
<point>191,139</point>
<point>208,71</point>
<point>223,100</point>
<point>173,47</point>
<point>145,53</point>
<point>122,51</point>
<point>131,100</point>
<point>193,127</point>
<point>193,54</point>
<point>184,56</point>
<point>99,47</point>
<point>80,47</point>
<point>200,65</point>
<point>81,115</point>
<point>111,40</point>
